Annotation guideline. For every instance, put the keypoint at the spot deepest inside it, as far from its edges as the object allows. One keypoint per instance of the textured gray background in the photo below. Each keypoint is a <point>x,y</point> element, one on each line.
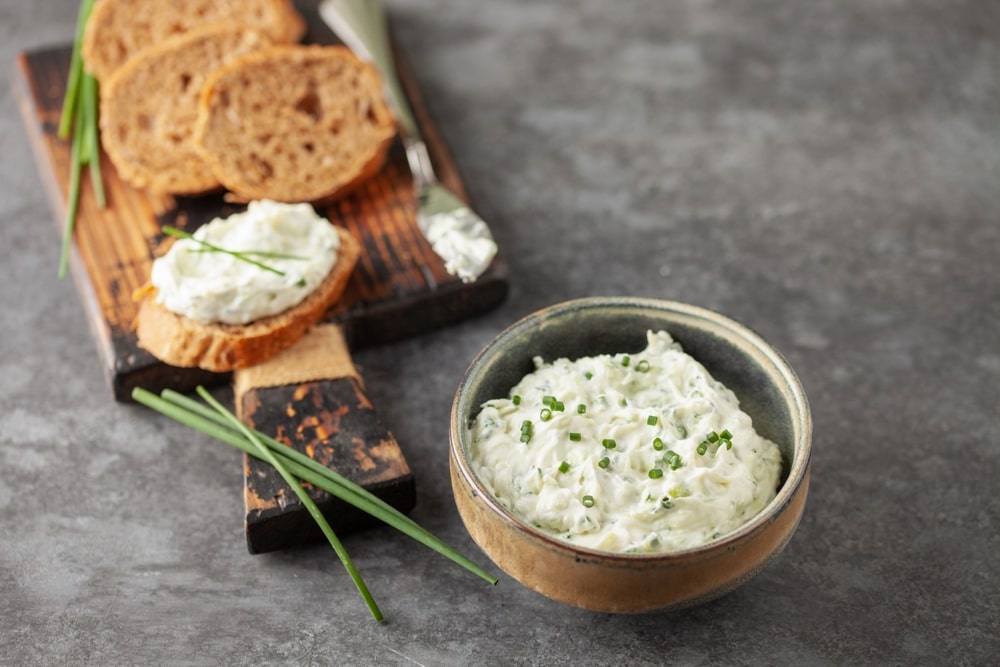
<point>827,172</point>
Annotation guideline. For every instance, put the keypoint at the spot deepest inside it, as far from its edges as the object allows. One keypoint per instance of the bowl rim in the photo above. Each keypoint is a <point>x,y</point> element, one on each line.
<point>798,469</point>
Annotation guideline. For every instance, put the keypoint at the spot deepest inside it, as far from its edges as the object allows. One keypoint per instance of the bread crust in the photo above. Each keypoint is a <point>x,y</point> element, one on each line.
<point>180,341</point>
<point>113,36</point>
<point>150,104</point>
<point>325,126</point>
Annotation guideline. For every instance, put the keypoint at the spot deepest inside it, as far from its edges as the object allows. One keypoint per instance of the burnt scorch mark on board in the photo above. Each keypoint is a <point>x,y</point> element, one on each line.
<point>334,423</point>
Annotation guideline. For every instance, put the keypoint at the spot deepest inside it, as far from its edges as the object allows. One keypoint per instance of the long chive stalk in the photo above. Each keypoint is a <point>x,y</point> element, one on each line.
<point>73,197</point>
<point>75,72</point>
<point>310,506</point>
<point>80,114</point>
<point>93,138</point>
<point>180,234</point>
<point>315,473</point>
<point>201,418</point>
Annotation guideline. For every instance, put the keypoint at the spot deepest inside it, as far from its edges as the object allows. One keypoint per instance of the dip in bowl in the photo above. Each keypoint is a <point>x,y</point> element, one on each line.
<point>639,578</point>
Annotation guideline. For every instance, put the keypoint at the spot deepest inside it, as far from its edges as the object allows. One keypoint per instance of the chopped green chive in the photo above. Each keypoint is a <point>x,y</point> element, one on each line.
<point>548,400</point>
<point>673,459</point>
<point>516,400</point>
<point>724,438</point>
<point>588,501</point>
<point>604,463</point>
<point>652,419</point>
<point>655,473</point>
<point>642,366</point>
<point>666,502</point>
<point>588,375</point>
<point>575,437</point>
<point>609,443</point>
<point>581,409</point>
<point>526,430</point>
<point>564,467</point>
<point>657,444</point>
<point>727,438</point>
<point>558,406</point>
<point>545,414</point>
<point>626,360</point>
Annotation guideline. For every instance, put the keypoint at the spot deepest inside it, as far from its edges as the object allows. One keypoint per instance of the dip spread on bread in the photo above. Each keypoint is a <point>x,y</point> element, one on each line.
<point>628,453</point>
<point>210,286</point>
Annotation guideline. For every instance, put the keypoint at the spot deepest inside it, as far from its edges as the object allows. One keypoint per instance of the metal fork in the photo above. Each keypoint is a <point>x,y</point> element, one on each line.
<point>458,235</point>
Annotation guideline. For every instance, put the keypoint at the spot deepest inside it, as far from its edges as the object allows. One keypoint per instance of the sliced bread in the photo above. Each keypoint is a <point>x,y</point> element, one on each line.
<point>149,107</point>
<point>181,341</point>
<point>294,123</point>
<point>119,29</point>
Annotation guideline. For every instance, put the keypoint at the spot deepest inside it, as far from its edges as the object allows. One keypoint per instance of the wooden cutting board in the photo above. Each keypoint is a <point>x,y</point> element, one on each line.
<point>400,288</point>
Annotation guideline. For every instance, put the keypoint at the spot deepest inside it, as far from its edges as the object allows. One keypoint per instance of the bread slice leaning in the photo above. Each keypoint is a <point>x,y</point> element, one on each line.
<point>294,123</point>
<point>119,29</point>
<point>149,107</point>
<point>180,341</point>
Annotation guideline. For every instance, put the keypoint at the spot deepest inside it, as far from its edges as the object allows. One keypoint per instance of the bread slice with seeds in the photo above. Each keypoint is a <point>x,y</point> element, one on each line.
<point>181,341</point>
<point>149,107</point>
<point>119,29</point>
<point>294,123</point>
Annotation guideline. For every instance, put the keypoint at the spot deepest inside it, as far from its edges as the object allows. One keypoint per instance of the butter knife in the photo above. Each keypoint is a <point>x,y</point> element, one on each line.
<point>456,233</point>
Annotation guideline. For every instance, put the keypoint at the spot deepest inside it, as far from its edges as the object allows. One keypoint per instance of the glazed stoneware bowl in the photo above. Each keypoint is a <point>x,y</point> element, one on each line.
<point>768,391</point>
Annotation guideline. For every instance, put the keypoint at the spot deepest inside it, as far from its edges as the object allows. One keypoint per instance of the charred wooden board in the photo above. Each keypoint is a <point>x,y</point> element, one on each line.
<point>332,422</point>
<point>400,287</point>
<point>311,397</point>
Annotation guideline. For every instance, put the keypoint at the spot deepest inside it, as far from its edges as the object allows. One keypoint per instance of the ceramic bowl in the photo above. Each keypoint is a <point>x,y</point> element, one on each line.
<point>768,391</point>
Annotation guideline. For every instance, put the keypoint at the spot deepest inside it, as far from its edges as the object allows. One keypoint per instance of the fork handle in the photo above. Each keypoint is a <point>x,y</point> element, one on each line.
<point>362,26</point>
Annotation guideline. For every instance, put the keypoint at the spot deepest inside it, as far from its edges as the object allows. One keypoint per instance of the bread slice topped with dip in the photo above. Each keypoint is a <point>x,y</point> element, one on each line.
<point>117,30</point>
<point>150,104</point>
<point>243,288</point>
<point>294,123</point>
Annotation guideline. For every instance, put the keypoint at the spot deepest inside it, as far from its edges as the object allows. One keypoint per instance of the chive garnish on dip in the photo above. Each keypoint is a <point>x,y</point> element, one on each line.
<point>242,255</point>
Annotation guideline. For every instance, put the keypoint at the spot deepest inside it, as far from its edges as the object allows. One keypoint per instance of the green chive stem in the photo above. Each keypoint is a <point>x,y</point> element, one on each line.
<point>79,114</point>
<point>71,98</point>
<point>195,415</point>
<point>73,198</point>
<point>307,502</point>
<point>93,139</point>
<point>177,233</point>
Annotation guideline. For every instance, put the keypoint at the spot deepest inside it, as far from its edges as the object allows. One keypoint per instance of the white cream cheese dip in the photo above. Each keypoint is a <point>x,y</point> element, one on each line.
<point>628,453</point>
<point>212,286</point>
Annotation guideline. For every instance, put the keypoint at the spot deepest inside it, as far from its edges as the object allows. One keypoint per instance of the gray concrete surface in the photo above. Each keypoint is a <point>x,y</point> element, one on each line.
<point>826,172</point>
